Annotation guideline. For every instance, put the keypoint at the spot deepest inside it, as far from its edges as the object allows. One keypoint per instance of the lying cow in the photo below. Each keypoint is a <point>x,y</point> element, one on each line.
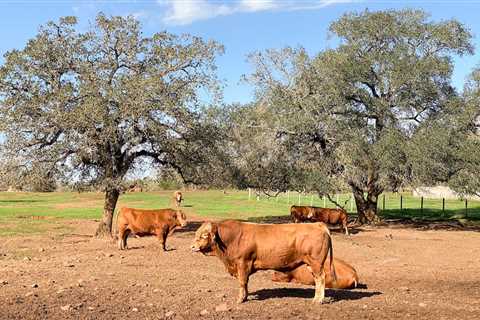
<point>346,276</point>
<point>177,198</point>
<point>316,214</point>
<point>141,222</point>
<point>245,248</point>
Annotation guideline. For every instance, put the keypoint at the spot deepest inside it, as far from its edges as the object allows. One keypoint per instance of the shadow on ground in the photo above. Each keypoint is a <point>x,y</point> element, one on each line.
<point>405,222</point>
<point>287,219</point>
<point>20,201</point>
<point>425,225</point>
<point>337,295</point>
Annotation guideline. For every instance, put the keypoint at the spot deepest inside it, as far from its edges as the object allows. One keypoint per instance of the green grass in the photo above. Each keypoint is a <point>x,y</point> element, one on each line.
<point>36,213</point>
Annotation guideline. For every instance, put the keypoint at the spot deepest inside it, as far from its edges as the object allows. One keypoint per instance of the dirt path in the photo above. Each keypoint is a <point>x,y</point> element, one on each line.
<point>409,273</point>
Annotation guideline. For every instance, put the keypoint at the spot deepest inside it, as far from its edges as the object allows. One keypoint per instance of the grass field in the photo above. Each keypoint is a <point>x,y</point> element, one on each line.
<point>27,213</point>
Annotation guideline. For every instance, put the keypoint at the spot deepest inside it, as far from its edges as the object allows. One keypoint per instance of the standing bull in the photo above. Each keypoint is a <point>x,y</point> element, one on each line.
<point>316,214</point>
<point>245,248</point>
<point>141,222</point>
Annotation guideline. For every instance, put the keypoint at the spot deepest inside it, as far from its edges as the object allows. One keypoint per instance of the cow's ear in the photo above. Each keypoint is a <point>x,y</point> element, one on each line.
<point>214,231</point>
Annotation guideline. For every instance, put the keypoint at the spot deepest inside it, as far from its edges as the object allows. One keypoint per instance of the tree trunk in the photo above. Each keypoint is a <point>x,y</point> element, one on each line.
<point>367,207</point>
<point>104,229</point>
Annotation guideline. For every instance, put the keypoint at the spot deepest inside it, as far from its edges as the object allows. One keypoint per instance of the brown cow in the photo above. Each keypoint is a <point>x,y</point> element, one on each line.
<point>316,214</point>
<point>245,248</point>
<point>346,276</point>
<point>141,222</point>
<point>177,198</point>
<point>300,213</point>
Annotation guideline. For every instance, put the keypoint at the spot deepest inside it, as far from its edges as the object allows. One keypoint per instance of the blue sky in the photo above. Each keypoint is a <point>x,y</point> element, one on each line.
<point>243,26</point>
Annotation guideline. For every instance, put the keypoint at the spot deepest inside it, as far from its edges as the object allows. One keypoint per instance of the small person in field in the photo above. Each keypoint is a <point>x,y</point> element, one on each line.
<point>177,198</point>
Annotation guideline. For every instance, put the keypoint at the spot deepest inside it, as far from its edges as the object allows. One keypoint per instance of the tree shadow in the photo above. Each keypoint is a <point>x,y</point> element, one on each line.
<point>337,295</point>
<point>21,201</point>
<point>287,219</point>
<point>271,219</point>
<point>134,247</point>
<point>426,225</point>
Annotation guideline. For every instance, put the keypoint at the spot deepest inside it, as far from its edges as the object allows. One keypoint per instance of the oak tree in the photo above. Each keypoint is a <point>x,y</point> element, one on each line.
<point>95,104</point>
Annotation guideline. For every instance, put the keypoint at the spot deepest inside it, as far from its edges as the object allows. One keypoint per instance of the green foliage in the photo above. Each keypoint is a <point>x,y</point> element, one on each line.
<point>349,113</point>
<point>94,105</point>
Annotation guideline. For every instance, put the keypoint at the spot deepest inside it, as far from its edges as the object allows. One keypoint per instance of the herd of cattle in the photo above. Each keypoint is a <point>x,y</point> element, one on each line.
<point>297,252</point>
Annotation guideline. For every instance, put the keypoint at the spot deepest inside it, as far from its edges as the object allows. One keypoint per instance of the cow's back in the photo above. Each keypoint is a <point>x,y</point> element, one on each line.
<point>274,244</point>
<point>143,220</point>
<point>328,215</point>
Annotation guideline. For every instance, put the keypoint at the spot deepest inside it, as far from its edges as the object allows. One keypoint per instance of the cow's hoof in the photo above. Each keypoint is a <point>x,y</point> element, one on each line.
<point>317,300</point>
<point>325,300</point>
<point>241,300</point>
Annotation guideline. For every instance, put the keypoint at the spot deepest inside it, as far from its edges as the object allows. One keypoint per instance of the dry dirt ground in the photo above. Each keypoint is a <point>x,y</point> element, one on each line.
<point>408,273</point>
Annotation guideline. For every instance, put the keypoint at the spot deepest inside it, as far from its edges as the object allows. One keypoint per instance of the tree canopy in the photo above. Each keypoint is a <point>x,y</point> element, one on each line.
<point>350,112</point>
<point>93,104</point>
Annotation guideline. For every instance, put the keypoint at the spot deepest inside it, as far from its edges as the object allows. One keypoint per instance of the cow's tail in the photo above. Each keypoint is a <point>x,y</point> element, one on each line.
<point>293,213</point>
<point>332,265</point>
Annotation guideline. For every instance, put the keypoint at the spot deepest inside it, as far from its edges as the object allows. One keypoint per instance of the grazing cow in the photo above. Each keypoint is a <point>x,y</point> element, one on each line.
<point>300,213</point>
<point>245,248</point>
<point>141,222</point>
<point>346,276</point>
<point>177,198</point>
<point>316,214</point>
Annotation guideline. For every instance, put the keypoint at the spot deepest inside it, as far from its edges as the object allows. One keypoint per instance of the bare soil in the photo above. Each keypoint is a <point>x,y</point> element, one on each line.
<point>408,273</point>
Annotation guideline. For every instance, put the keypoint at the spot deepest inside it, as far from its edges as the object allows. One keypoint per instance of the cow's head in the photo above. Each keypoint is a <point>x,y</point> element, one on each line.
<point>205,238</point>
<point>181,218</point>
<point>310,214</point>
<point>178,196</point>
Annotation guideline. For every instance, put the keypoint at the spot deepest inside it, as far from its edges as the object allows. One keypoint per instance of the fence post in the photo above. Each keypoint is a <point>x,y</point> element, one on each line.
<point>311,200</point>
<point>401,202</point>
<point>383,205</point>
<point>324,202</point>
<point>299,199</point>
<point>421,205</point>
<point>466,208</point>
<point>249,193</point>
<point>337,201</point>
<point>443,205</point>
<point>288,196</point>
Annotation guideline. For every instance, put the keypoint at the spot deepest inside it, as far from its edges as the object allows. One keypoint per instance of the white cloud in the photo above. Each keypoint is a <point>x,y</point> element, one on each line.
<point>183,12</point>
<point>257,5</point>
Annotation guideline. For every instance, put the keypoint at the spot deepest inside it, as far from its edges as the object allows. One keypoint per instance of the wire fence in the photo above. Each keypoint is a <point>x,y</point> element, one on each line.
<point>389,204</point>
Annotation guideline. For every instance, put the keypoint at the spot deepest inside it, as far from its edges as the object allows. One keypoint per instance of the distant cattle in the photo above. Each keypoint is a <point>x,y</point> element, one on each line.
<point>141,222</point>
<point>177,198</point>
<point>316,214</point>
<point>346,276</point>
<point>135,188</point>
<point>245,248</point>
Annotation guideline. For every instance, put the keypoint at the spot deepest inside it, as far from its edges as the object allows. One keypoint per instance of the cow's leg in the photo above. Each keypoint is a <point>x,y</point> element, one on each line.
<point>122,238</point>
<point>318,272</point>
<point>243,272</point>
<point>319,287</point>
<point>121,233</point>
<point>345,227</point>
<point>162,234</point>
